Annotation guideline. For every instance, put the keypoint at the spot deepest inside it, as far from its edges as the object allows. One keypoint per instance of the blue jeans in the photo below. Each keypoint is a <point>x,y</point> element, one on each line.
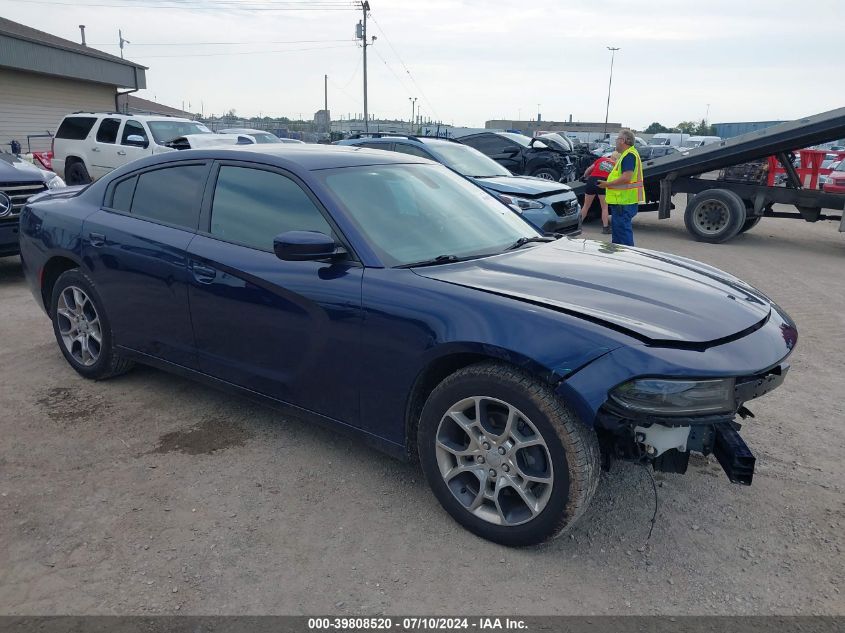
<point>621,230</point>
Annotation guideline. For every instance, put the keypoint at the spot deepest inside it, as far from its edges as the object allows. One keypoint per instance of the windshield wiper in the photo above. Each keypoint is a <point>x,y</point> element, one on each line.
<point>522,241</point>
<point>440,259</point>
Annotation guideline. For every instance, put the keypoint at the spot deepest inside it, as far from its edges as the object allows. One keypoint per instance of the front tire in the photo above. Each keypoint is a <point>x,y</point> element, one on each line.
<point>546,173</point>
<point>82,328</point>
<point>505,456</point>
<point>77,174</point>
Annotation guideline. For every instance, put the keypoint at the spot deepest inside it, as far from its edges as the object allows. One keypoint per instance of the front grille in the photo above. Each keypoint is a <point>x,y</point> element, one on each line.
<point>566,207</point>
<point>19,193</point>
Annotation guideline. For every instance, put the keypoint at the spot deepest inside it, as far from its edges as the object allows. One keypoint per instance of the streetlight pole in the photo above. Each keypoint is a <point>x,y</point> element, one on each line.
<point>609,83</point>
<point>413,101</point>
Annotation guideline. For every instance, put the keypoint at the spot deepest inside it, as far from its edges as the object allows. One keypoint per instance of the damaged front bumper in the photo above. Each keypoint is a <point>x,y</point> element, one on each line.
<point>667,441</point>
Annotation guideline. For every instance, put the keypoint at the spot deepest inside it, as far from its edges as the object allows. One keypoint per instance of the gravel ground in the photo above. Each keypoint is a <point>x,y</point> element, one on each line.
<point>149,494</point>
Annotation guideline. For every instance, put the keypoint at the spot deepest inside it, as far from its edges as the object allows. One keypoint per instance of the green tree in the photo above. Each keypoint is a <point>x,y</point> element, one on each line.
<point>687,127</point>
<point>705,130</point>
<point>655,128</point>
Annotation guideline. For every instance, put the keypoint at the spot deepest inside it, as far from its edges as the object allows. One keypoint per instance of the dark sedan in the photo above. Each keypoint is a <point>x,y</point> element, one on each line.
<point>390,298</point>
<point>523,156</point>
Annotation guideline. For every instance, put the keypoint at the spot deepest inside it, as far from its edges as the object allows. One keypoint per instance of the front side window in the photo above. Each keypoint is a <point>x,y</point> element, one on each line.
<point>171,195</point>
<point>252,206</point>
<point>413,213</point>
<point>133,128</point>
<point>107,132</point>
<point>384,146</point>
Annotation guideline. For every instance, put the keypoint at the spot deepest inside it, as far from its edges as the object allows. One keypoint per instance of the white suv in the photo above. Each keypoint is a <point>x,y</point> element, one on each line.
<point>89,145</point>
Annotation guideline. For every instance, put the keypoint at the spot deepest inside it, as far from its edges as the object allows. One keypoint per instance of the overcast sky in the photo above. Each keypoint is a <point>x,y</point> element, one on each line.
<point>469,61</point>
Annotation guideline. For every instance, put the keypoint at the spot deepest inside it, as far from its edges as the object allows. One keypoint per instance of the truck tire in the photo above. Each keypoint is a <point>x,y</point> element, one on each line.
<point>505,457</point>
<point>750,223</point>
<point>715,215</point>
<point>76,173</point>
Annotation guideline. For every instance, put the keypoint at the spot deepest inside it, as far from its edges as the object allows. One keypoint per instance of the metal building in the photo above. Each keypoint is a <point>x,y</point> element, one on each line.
<point>44,77</point>
<point>729,130</point>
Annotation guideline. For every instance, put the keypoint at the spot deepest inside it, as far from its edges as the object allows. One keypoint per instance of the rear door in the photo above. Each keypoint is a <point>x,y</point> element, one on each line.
<point>136,248</point>
<point>289,330</point>
<point>104,150</point>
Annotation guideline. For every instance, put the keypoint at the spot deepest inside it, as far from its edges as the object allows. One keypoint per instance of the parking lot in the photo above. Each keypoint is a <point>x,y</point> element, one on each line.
<point>150,494</point>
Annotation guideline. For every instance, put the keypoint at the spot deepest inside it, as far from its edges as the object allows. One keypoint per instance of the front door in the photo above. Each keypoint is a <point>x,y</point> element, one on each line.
<point>136,248</point>
<point>134,143</point>
<point>288,330</point>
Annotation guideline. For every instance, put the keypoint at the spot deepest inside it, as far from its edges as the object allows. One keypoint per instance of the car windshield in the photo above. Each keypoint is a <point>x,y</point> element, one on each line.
<point>264,137</point>
<point>165,131</point>
<point>415,213</point>
<point>517,138</point>
<point>468,161</point>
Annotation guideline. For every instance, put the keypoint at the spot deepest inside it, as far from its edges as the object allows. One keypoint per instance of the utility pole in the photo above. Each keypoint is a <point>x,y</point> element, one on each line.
<point>326,92</point>
<point>361,33</point>
<point>122,42</point>
<point>609,83</point>
<point>413,101</point>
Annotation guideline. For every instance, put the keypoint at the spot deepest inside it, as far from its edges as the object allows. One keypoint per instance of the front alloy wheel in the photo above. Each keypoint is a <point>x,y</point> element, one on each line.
<point>505,456</point>
<point>494,461</point>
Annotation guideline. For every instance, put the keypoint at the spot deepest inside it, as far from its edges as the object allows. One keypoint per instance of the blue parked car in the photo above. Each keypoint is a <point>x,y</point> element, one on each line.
<point>390,298</point>
<point>548,205</point>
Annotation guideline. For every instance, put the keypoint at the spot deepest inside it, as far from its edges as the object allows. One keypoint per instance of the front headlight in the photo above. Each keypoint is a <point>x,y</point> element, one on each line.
<point>665,396</point>
<point>54,182</point>
<point>521,204</point>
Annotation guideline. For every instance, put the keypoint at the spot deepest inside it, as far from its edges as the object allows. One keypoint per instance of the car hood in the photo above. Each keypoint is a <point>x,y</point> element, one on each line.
<point>656,297</point>
<point>13,169</point>
<point>523,185</point>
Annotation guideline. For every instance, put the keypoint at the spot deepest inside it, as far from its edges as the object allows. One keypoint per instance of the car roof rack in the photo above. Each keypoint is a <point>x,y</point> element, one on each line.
<point>383,135</point>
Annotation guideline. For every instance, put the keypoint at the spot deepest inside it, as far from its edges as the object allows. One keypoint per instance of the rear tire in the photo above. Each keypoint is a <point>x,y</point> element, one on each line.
<point>715,215</point>
<point>77,174</point>
<point>490,429</point>
<point>82,328</point>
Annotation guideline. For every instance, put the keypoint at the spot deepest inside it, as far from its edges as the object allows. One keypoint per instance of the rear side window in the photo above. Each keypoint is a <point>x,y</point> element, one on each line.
<point>385,146</point>
<point>121,198</point>
<point>171,195</point>
<point>252,206</point>
<point>76,128</point>
<point>107,132</point>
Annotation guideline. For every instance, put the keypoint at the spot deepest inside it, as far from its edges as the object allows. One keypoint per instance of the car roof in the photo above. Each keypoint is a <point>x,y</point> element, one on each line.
<point>143,117</point>
<point>307,156</point>
<point>244,130</point>
<point>414,140</point>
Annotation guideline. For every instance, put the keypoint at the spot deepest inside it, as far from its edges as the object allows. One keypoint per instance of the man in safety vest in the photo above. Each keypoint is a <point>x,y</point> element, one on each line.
<point>624,189</point>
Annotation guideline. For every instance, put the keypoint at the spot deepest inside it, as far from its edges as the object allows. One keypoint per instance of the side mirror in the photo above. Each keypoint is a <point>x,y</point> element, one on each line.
<point>302,246</point>
<point>136,140</point>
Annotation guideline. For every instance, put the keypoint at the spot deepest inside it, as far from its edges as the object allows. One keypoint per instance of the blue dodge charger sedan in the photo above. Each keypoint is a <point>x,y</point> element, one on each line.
<point>390,298</point>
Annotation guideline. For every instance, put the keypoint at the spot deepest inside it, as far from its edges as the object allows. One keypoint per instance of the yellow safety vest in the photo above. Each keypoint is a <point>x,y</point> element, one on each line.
<point>631,193</point>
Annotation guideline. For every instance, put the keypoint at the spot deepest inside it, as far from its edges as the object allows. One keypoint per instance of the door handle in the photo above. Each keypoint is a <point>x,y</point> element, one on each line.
<point>203,274</point>
<point>121,153</point>
<point>97,239</point>
<point>95,149</point>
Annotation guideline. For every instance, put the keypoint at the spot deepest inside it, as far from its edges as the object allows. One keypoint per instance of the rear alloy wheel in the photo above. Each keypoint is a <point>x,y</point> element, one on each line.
<point>505,457</point>
<point>82,328</point>
<point>715,215</point>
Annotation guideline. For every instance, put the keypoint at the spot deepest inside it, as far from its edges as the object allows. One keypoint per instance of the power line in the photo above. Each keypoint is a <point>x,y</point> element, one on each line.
<point>399,79</point>
<point>399,57</point>
<point>228,43</point>
<point>228,6</point>
<point>285,50</point>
